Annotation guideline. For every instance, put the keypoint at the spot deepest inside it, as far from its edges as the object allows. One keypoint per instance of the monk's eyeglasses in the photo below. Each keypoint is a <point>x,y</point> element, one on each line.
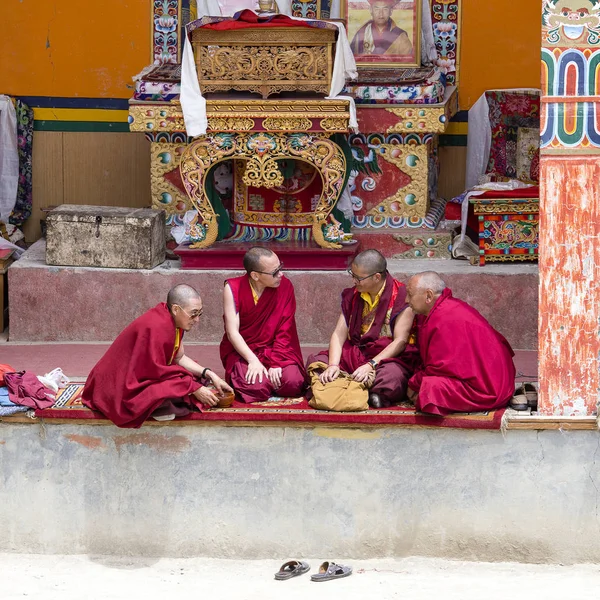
<point>275,273</point>
<point>359,279</point>
<point>194,315</point>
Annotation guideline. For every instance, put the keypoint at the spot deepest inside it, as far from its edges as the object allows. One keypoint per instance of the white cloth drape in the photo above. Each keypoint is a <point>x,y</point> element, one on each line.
<point>9,158</point>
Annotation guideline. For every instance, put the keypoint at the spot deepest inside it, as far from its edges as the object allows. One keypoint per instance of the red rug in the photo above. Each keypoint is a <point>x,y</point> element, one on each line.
<point>289,410</point>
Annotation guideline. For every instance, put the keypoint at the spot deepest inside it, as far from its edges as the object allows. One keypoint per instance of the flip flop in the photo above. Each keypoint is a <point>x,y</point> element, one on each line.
<point>290,569</point>
<point>519,400</point>
<point>329,570</point>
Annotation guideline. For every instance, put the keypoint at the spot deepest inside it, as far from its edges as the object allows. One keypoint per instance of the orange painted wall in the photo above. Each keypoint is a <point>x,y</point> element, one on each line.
<point>92,48</point>
<point>69,48</point>
<point>501,42</point>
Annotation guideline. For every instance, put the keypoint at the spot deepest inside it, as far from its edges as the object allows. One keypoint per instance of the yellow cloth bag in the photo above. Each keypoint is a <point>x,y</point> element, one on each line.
<point>341,395</point>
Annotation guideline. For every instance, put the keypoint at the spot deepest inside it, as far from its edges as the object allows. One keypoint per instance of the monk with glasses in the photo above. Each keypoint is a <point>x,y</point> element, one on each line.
<point>146,371</point>
<point>260,349</point>
<point>372,335</point>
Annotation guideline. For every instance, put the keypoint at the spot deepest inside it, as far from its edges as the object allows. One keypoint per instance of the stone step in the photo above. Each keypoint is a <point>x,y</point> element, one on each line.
<point>90,304</point>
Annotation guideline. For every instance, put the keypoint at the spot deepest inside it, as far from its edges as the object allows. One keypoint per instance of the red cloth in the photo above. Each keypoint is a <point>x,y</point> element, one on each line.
<point>25,389</point>
<point>528,192</point>
<point>268,327</point>
<point>247,19</point>
<point>134,377</point>
<point>3,370</point>
<point>467,364</point>
<point>293,384</point>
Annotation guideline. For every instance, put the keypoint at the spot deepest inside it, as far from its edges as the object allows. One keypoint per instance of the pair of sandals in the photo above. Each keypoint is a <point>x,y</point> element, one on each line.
<point>525,397</point>
<point>327,571</point>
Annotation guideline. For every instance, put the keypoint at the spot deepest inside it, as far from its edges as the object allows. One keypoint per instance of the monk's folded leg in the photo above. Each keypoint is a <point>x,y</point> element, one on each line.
<point>444,395</point>
<point>249,392</point>
<point>391,382</point>
<point>293,382</point>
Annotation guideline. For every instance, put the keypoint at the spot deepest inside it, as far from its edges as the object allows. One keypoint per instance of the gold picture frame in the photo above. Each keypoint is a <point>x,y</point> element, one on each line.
<point>384,33</point>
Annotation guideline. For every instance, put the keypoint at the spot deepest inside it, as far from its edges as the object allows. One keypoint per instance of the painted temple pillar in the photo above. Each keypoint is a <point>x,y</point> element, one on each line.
<point>569,262</point>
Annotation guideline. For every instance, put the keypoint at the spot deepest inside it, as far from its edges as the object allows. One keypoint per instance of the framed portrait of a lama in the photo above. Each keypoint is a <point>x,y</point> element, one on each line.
<point>385,33</point>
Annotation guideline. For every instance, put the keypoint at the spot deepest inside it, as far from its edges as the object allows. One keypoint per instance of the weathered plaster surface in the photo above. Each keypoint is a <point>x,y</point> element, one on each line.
<point>569,285</point>
<point>269,492</point>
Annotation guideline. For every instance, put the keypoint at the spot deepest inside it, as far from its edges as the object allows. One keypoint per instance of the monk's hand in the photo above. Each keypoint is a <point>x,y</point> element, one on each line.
<point>220,384</point>
<point>205,396</point>
<point>274,375</point>
<point>329,374</point>
<point>363,373</point>
<point>256,371</point>
<point>411,395</point>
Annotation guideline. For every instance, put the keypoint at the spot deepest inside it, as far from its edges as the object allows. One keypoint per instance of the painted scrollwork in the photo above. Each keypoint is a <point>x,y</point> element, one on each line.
<point>261,150</point>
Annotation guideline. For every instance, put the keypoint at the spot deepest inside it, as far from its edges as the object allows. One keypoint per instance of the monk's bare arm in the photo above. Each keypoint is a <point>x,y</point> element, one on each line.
<point>338,337</point>
<point>195,369</point>
<point>232,328</point>
<point>402,328</point>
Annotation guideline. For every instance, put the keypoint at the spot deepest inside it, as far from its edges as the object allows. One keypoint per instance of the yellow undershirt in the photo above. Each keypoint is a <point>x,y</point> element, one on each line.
<point>177,344</point>
<point>254,295</point>
<point>370,306</point>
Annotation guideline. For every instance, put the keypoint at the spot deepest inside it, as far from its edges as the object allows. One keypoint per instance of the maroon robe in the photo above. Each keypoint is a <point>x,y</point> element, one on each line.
<point>134,376</point>
<point>467,365</point>
<point>381,40</point>
<point>269,329</point>
<point>391,375</point>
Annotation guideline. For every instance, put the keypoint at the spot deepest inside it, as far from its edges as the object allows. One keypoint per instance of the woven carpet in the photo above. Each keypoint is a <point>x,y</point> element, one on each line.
<point>288,410</point>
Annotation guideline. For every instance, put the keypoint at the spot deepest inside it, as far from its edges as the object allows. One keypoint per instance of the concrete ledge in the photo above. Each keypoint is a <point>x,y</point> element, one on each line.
<point>86,304</point>
<point>261,492</point>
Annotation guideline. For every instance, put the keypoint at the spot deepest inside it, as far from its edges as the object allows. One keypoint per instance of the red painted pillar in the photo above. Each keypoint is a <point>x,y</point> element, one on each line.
<point>569,320</point>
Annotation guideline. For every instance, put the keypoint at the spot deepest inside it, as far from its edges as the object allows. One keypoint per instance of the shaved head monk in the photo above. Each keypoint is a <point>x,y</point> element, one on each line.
<point>146,372</point>
<point>371,337</point>
<point>467,365</point>
<point>260,349</point>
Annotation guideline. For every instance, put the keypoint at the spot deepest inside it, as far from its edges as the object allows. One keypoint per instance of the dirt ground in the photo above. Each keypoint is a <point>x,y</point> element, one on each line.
<point>107,578</point>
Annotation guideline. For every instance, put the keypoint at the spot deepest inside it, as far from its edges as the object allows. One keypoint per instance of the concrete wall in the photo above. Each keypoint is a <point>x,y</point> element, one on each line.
<point>85,304</point>
<point>261,492</point>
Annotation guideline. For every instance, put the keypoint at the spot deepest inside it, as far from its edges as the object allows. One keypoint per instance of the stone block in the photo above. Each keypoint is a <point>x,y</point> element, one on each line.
<point>105,236</point>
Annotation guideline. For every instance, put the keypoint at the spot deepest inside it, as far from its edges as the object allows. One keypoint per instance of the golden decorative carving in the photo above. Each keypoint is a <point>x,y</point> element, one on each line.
<point>287,124</point>
<point>148,118</point>
<point>419,119</point>
<point>497,207</point>
<point>413,199</point>
<point>424,118</point>
<point>262,149</point>
<point>266,61</point>
<point>334,124</point>
<point>262,172</point>
<point>165,157</point>
<point>236,115</point>
<point>230,124</point>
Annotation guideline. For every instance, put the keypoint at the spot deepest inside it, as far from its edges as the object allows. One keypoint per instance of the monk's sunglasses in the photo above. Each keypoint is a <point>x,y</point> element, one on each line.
<point>359,279</point>
<point>193,315</point>
<point>275,273</point>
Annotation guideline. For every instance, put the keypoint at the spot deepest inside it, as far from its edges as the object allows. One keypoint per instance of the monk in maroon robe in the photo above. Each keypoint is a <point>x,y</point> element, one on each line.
<point>381,35</point>
<point>371,338</point>
<point>260,349</point>
<point>146,372</point>
<point>467,365</point>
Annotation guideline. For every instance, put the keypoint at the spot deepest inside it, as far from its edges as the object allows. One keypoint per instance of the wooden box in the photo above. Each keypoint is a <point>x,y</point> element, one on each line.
<point>105,236</point>
<point>508,229</point>
<point>264,60</point>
